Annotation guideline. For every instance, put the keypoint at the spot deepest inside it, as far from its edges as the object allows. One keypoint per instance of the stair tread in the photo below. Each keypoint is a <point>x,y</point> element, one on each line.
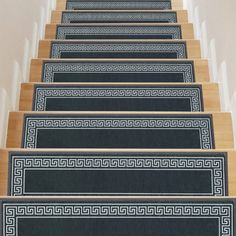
<point>178,49</point>
<point>200,96</point>
<point>76,16</point>
<point>70,31</point>
<point>223,137</point>
<point>98,216</point>
<point>161,162</point>
<point>174,4</point>
<point>195,70</point>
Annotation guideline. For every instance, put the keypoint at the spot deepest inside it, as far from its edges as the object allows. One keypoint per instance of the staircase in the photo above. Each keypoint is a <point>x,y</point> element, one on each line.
<point>119,130</point>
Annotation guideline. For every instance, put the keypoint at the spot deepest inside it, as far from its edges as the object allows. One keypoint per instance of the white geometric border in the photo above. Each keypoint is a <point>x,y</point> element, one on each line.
<point>160,17</point>
<point>20,165</point>
<point>193,94</point>
<point>222,212</point>
<point>58,48</point>
<point>33,124</point>
<point>64,31</point>
<point>155,5</point>
<point>51,68</point>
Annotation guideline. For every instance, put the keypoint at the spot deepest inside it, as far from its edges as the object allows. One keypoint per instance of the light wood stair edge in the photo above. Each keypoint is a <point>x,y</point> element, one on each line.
<point>176,4</point>
<point>182,15</point>
<point>210,91</point>
<point>201,68</point>
<point>222,125</point>
<point>4,160</point>
<point>186,28</point>
<point>193,46</point>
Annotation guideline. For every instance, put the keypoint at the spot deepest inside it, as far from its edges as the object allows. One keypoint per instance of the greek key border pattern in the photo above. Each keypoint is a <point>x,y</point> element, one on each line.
<point>63,31</point>
<point>170,17</point>
<point>50,68</point>
<point>178,48</point>
<point>20,164</point>
<point>44,93</point>
<point>120,5</point>
<point>33,124</point>
<point>13,211</point>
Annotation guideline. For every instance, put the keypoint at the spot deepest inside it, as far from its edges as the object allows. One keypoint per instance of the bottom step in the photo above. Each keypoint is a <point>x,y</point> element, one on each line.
<point>130,217</point>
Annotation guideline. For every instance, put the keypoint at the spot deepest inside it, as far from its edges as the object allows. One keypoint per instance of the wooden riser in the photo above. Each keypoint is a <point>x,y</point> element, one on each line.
<point>182,15</point>
<point>176,4</point>
<point>201,69</point>
<point>186,29</point>
<point>4,160</point>
<point>222,125</point>
<point>211,101</point>
<point>193,46</point>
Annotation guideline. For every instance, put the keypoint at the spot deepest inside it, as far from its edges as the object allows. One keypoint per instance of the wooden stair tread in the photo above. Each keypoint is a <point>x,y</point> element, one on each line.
<point>192,46</point>
<point>210,92</point>
<point>222,124</point>
<point>201,70</point>
<point>186,29</point>
<point>182,16</point>
<point>8,154</point>
<point>175,4</point>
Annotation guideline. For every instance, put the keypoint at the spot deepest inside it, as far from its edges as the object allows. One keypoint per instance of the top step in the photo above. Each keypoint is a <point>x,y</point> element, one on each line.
<point>119,5</point>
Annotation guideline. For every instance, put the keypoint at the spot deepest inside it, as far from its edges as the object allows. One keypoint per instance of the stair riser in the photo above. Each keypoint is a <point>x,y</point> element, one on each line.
<point>77,130</point>
<point>67,17</point>
<point>85,173</point>
<point>122,31</point>
<point>117,49</point>
<point>71,217</point>
<point>93,97</point>
<point>176,4</point>
<point>119,71</point>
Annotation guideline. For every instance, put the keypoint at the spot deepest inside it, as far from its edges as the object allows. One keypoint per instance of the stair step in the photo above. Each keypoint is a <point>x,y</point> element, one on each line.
<point>119,70</point>
<point>158,216</point>
<point>119,97</point>
<point>134,4</point>
<point>120,31</point>
<point>120,130</point>
<point>136,173</point>
<point>115,16</point>
<point>120,49</point>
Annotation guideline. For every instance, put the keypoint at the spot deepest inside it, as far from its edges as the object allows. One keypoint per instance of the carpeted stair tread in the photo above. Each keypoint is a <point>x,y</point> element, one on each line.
<point>130,217</point>
<point>73,17</point>
<point>156,49</point>
<point>119,70</point>
<point>118,5</point>
<point>134,4</point>
<point>120,130</point>
<point>119,31</point>
<point>178,49</point>
<point>117,173</point>
<point>119,97</point>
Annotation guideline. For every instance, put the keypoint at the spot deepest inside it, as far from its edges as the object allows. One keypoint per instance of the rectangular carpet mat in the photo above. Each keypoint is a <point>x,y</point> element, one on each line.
<point>155,50</point>
<point>116,17</point>
<point>206,217</point>
<point>114,4</point>
<point>118,32</point>
<point>73,71</point>
<point>75,173</point>
<point>117,98</point>
<point>118,131</point>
